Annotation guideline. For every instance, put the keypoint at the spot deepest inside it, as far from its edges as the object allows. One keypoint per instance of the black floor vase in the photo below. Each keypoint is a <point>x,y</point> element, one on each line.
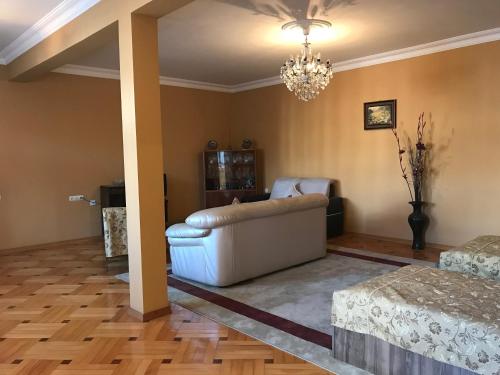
<point>419,222</point>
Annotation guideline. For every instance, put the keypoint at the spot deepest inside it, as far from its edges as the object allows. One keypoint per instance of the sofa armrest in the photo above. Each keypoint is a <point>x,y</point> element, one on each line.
<point>255,198</point>
<point>186,231</point>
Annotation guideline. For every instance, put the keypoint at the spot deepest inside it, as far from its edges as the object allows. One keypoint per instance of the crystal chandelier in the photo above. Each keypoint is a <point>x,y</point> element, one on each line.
<point>305,74</point>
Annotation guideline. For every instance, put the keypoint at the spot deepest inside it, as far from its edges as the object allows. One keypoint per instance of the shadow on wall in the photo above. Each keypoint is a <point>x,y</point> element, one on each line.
<point>437,161</point>
<point>389,219</point>
<point>290,9</point>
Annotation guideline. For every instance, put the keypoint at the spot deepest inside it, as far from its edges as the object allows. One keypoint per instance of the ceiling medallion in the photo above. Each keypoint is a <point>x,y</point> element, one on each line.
<point>305,74</point>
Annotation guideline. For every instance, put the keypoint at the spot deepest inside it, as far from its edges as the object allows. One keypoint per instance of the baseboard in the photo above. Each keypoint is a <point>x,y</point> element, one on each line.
<point>50,244</point>
<point>149,315</point>
<point>398,240</point>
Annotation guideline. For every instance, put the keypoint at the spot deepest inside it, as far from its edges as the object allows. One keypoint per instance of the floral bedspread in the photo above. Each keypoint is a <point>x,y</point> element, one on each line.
<point>115,231</point>
<point>479,257</point>
<point>448,316</point>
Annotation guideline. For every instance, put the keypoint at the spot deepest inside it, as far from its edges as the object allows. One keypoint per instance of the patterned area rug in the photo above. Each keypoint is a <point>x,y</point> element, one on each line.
<point>289,309</point>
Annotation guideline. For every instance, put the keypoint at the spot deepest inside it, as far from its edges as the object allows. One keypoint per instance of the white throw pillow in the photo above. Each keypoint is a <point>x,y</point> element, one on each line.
<point>294,191</point>
<point>281,187</point>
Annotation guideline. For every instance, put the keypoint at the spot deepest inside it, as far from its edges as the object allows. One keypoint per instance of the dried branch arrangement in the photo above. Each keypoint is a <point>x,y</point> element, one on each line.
<point>415,160</point>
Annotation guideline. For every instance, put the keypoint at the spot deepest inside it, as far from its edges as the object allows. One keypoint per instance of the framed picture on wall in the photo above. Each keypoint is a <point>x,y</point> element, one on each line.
<point>380,115</point>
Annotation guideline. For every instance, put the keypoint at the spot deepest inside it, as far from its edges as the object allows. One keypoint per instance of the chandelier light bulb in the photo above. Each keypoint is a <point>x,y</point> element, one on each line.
<point>305,75</point>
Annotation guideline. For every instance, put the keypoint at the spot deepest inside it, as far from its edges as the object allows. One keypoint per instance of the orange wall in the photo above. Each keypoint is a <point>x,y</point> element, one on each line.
<point>457,89</point>
<point>58,136</point>
<point>190,119</point>
<point>61,135</point>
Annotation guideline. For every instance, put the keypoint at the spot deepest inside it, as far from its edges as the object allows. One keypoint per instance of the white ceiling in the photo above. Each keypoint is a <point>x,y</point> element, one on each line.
<point>235,41</point>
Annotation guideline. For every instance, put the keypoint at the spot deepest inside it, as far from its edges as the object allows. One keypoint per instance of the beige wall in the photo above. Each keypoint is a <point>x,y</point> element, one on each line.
<point>58,136</point>
<point>190,119</point>
<point>457,89</point>
<point>61,135</point>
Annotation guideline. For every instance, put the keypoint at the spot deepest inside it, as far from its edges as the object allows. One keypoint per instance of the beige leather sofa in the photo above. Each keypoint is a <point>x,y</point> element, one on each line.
<point>224,245</point>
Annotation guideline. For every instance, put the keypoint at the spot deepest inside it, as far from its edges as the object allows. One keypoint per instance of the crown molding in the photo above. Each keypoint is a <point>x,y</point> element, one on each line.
<point>460,41</point>
<point>380,58</point>
<point>62,14</point>
<point>179,82</point>
<point>252,85</point>
<point>90,71</point>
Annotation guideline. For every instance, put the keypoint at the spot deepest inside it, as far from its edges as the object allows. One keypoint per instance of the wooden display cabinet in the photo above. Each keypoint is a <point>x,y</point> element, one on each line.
<point>228,174</point>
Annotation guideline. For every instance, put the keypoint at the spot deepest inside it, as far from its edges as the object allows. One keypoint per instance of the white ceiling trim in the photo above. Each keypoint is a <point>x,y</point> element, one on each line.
<point>420,50</point>
<point>271,81</point>
<point>380,58</point>
<point>90,71</point>
<point>62,14</point>
<point>179,82</point>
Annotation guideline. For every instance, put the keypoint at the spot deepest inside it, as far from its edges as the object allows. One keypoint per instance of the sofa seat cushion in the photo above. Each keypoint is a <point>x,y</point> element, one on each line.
<point>479,257</point>
<point>186,231</point>
<point>231,214</point>
<point>447,316</point>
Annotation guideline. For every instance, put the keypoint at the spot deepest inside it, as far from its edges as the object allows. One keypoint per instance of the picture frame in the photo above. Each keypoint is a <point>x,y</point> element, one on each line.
<point>380,114</point>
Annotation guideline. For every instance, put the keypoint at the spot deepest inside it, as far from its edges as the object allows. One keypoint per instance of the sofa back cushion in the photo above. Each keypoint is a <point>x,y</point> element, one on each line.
<point>234,213</point>
<point>284,187</point>
<point>315,185</point>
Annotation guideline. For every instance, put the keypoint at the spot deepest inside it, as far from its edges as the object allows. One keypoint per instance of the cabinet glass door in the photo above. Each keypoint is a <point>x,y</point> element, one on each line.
<point>230,170</point>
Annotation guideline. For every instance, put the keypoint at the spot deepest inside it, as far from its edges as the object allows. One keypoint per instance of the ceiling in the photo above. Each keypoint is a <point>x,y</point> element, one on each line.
<point>16,16</point>
<point>231,42</point>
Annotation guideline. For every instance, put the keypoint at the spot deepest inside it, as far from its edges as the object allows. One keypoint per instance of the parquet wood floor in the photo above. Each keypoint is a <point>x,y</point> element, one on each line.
<point>63,313</point>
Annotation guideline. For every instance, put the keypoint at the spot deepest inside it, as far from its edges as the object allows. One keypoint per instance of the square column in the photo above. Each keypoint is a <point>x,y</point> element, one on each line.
<point>143,160</point>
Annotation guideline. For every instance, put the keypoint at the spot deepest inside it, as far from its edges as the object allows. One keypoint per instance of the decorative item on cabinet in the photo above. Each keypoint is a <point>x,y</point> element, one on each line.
<point>246,144</point>
<point>228,174</point>
<point>212,145</point>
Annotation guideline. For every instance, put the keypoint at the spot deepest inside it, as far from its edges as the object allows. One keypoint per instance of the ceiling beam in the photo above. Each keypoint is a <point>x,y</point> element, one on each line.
<point>92,29</point>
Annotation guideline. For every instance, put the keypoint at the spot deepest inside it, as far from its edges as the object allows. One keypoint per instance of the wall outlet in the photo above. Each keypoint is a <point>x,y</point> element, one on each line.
<point>266,190</point>
<point>74,198</point>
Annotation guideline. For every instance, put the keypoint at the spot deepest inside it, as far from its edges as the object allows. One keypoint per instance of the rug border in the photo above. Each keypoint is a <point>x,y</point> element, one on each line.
<point>295,329</point>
